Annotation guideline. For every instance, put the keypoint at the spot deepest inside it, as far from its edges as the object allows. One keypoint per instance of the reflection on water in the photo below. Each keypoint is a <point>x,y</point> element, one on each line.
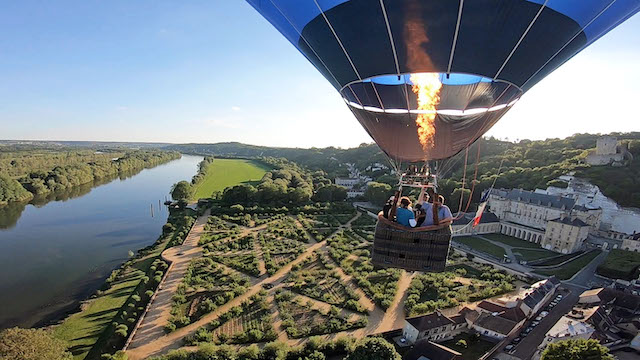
<point>59,248</point>
<point>10,214</point>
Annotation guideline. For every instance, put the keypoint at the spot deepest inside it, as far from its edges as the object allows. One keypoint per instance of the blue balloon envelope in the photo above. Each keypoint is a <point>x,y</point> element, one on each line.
<point>426,78</point>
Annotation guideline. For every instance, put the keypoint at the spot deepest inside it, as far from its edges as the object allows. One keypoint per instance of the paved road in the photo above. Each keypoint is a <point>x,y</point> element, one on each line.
<point>586,277</point>
<point>529,344</point>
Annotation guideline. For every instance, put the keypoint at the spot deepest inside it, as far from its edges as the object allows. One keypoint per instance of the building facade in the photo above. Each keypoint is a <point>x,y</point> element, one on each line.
<point>565,235</point>
<point>556,222</point>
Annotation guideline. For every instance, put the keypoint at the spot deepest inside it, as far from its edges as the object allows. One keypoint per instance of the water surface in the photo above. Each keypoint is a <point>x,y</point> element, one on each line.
<point>57,251</point>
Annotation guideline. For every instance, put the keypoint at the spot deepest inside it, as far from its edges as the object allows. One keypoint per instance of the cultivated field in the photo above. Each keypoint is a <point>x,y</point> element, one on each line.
<point>223,173</point>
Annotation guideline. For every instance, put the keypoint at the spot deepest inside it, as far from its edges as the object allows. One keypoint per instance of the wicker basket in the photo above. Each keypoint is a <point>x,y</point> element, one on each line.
<point>410,249</point>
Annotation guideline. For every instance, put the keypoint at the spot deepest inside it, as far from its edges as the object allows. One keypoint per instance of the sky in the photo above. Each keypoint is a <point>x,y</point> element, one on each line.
<point>215,71</point>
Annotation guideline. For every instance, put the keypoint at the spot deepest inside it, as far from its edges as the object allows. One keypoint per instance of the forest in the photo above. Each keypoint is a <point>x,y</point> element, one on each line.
<point>26,172</point>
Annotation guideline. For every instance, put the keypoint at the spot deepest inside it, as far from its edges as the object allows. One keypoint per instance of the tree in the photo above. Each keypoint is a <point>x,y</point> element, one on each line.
<point>316,355</point>
<point>373,348</point>
<point>331,192</point>
<point>378,193</point>
<point>31,344</point>
<point>576,350</point>
<point>181,190</point>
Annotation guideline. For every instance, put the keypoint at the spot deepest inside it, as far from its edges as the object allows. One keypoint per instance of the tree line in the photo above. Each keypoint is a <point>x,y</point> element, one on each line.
<point>73,171</point>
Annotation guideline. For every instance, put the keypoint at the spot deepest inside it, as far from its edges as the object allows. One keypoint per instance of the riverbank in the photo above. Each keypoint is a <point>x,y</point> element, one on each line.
<point>58,253</point>
<point>36,182</point>
<point>91,332</point>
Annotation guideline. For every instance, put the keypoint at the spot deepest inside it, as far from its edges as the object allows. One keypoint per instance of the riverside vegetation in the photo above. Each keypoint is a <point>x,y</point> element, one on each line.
<point>38,172</point>
<point>105,321</point>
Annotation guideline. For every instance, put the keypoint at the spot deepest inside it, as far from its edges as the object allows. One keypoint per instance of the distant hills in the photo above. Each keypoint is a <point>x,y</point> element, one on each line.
<point>526,164</point>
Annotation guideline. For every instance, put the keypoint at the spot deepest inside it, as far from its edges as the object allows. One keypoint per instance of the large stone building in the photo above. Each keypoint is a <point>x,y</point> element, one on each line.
<point>616,223</point>
<point>565,235</point>
<point>553,221</point>
<point>609,152</point>
<point>489,224</point>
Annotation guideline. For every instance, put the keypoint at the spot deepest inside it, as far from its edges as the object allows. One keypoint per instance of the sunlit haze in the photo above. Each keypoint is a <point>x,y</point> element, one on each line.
<point>213,71</point>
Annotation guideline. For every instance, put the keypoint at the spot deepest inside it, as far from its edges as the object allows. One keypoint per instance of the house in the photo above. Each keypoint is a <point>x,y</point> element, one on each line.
<point>498,321</point>
<point>592,296</point>
<point>566,235</point>
<point>496,326</point>
<point>434,327</point>
<point>568,329</point>
<point>538,295</point>
<point>617,299</point>
<point>427,350</point>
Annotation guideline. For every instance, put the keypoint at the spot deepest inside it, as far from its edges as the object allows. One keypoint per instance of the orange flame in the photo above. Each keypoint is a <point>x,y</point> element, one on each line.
<point>427,87</point>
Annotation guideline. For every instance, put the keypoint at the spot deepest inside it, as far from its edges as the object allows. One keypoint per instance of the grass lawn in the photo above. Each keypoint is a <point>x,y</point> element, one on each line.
<point>620,264</point>
<point>511,241</point>
<point>568,270</point>
<point>481,245</point>
<point>83,329</point>
<point>475,347</point>
<point>223,173</point>
<point>533,254</point>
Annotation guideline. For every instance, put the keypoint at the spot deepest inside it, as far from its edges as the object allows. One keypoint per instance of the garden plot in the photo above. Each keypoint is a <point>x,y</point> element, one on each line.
<point>431,291</point>
<point>301,319</point>
<point>317,280</point>
<point>244,262</point>
<point>278,251</point>
<point>353,256</point>
<point>287,228</point>
<point>234,244</point>
<point>250,322</point>
<point>205,287</point>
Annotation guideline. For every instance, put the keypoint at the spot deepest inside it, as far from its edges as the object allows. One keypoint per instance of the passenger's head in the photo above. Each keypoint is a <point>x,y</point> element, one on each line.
<point>405,202</point>
<point>439,199</point>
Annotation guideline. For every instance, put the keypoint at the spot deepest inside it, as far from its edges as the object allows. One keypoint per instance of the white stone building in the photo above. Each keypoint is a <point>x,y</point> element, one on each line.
<point>565,235</point>
<point>608,152</point>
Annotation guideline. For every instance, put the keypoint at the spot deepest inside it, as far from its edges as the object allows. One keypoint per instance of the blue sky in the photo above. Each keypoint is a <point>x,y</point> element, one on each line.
<point>215,70</point>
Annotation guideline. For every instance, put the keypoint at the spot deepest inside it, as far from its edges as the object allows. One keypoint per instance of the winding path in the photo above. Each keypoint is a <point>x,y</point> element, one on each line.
<point>151,340</point>
<point>152,325</point>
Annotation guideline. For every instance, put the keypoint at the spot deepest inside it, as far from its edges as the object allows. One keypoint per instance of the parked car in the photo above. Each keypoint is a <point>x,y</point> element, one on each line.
<point>535,323</point>
<point>516,340</point>
<point>509,347</point>
<point>544,313</point>
<point>538,318</point>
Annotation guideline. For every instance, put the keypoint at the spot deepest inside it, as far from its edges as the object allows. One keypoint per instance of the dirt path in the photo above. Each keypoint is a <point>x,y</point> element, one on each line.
<point>151,340</point>
<point>152,326</point>
<point>160,343</point>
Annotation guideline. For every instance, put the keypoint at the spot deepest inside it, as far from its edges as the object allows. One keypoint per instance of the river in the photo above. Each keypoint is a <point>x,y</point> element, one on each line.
<point>55,252</point>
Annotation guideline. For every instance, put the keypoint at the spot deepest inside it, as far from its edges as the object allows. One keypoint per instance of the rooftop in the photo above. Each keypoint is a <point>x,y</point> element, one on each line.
<point>531,197</point>
<point>429,321</point>
<point>495,323</point>
<point>568,221</point>
<point>427,350</point>
<point>566,327</point>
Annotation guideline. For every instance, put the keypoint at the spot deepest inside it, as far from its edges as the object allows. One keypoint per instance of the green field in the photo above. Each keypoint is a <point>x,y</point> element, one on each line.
<point>475,348</point>
<point>223,173</point>
<point>511,241</point>
<point>83,329</point>
<point>620,264</point>
<point>481,245</point>
<point>533,254</point>
<point>571,268</point>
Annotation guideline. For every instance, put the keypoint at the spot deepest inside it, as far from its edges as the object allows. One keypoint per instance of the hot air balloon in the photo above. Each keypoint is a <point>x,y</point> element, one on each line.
<point>426,78</point>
